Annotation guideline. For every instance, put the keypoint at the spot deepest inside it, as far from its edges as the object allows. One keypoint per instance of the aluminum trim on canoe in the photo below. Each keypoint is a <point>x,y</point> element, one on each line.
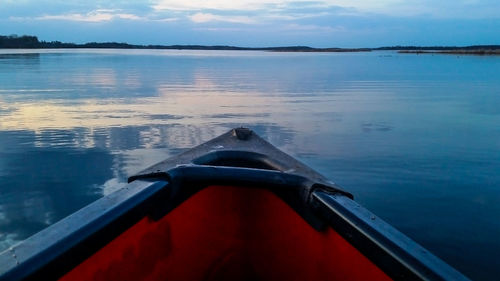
<point>294,189</point>
<point>55,250</point>
<point>396,254</point>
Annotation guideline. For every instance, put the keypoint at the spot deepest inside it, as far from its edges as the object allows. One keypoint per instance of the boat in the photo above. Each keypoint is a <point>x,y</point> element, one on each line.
<point>233,208</point>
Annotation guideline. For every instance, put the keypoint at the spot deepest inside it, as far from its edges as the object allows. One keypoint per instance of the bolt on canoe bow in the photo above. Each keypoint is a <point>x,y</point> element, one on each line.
<point>233,208</point>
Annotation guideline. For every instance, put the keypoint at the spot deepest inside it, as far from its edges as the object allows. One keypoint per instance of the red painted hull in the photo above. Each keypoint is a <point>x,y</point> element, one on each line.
<point>228,233</point>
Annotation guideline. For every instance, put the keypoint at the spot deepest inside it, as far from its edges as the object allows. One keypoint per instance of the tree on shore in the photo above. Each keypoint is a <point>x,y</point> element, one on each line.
<point>14,41</point>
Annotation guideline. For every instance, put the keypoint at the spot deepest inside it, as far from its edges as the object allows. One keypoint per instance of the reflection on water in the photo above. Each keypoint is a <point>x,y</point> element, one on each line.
<point>19,59</point>
<point>415,138</point>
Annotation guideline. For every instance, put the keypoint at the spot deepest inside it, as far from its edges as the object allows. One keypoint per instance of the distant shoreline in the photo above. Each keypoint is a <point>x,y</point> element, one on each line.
<point>32,42</point>
<point>477,52</point>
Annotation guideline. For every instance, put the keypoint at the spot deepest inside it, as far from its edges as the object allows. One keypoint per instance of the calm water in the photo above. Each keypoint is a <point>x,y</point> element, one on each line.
<point>416,138</point>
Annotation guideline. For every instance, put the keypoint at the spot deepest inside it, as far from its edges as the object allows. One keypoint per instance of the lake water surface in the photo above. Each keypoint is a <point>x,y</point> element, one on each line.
<point>415,138</point>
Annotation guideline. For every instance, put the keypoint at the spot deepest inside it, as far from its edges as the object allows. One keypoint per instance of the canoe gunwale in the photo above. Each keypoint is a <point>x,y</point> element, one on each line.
<point>52,252</point>
<point>393,252</point>
<point>294,189</point>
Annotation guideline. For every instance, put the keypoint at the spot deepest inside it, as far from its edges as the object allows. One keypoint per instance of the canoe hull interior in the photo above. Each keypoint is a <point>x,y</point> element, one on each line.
<point>228,233</point>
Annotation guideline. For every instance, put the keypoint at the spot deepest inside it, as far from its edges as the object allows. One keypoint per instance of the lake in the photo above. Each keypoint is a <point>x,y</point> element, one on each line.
<point>415,138</point>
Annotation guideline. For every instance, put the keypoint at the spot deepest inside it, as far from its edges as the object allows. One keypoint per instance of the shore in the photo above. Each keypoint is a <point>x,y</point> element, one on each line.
<point>32,42</point>
<point>478,52</point>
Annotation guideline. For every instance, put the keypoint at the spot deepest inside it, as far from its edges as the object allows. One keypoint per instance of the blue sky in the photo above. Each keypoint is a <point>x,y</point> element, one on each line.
<point>319,23</point>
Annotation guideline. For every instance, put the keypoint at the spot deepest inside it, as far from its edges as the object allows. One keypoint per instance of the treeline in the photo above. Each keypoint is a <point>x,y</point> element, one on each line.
<point>32,42</point>
<point>481,52</point>
<point>14,42</point>
<point>437,48</point>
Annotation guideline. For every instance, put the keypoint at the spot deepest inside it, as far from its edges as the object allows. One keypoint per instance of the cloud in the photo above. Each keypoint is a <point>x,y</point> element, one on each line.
<point>197,5</point>
<point>222,29</point>
<point>249,5</point>
<point>135,9</point>
<point>261,6</point>
<point>165,19</point>
<point>313,28</point>
<point>396,8</point>
<point>445,9</point>
<point>298,16</point>
<point>206,17</point>
<point>101,15</point>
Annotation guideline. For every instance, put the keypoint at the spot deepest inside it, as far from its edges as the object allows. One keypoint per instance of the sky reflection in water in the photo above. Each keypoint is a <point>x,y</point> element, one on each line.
<point>415,138</point>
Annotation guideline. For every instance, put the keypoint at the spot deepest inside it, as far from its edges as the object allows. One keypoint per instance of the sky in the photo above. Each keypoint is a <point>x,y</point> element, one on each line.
<point>257,23</point>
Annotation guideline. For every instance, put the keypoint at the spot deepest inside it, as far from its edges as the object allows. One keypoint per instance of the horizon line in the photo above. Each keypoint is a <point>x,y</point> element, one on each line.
<point>32,42</point>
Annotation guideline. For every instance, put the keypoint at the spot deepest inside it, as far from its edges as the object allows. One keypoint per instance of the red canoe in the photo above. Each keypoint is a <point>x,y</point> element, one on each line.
<point>234,208</point>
